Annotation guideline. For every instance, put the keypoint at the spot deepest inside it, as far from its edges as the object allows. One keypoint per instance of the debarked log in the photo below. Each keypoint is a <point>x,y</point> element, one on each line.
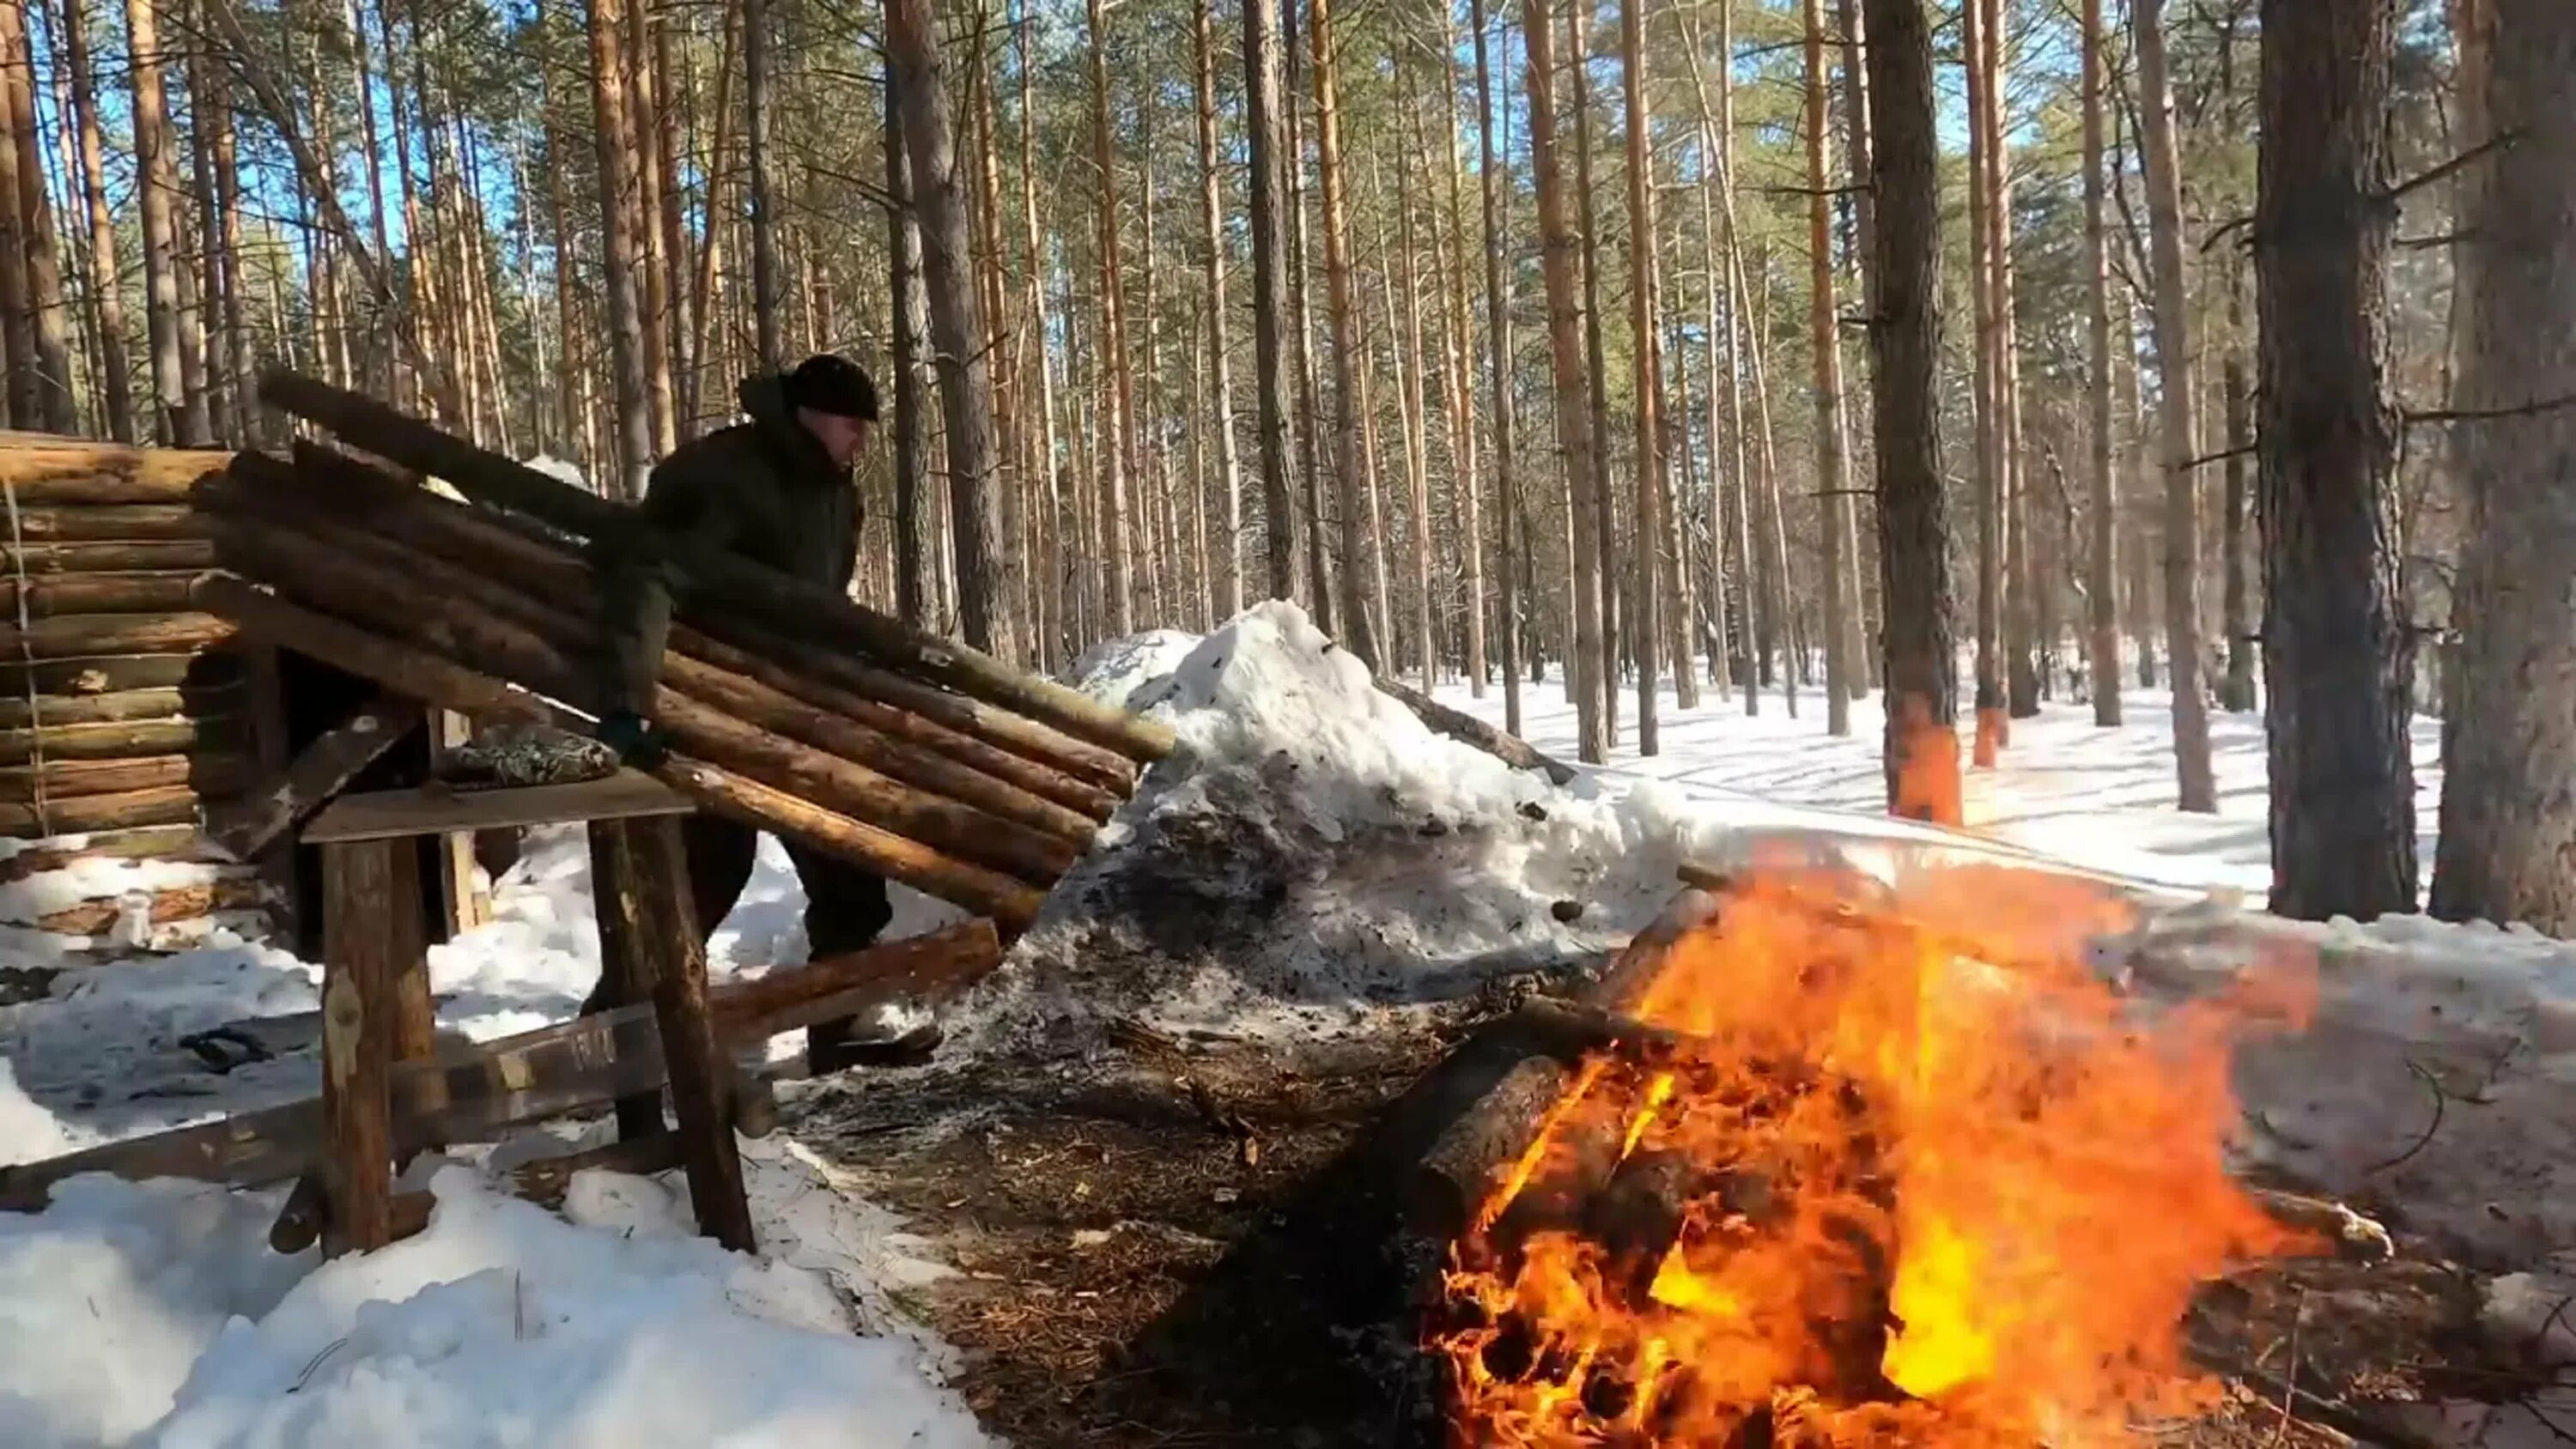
<point>320,567</point>
<point>54,560</point>
<point>526,578</point>
<point>83,636</point>
<point>781,602</point>
<point>429,676</point>
<point>213,774</point>
<point>127,593</point>
<point>80,815</point>
<point>116,739</point>
<point>470,1093</point>
<point>80,471</point>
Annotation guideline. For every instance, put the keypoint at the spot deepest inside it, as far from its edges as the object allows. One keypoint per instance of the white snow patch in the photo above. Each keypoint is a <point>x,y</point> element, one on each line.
<point>93,878</point>
<point>560,469</point>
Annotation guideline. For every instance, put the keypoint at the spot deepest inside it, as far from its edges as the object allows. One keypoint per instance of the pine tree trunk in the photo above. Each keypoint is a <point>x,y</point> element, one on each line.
<point>106,297</point>
<point>1833,482</point>
<point>1991,700</point>
<point>1559,260</point>
<point>625,324</point>
<point>766,298</point>
<point>1922,742</point>
<point>2508,823</point>
<point>1118,443</point>
<point>1269,225</point>
<point>2197,786</point>
<point>359,52</point>
<point>1319,553</point>
<point>1645,621</point>
<point>239,362</point>
<point>48,363</point>
<point>987,592</point>
<point>157,198</point>
<point>2339,658</point>
<point>1498,363</point>
<point>1055,591</point>
<point>1860,648</point>
<point>1342,315</point>
<point>2102,577</point>
<point>644,115</point>
<point>2012,485</point>
<point>572,395</point>
<point>1596,489</point>
<point>2236,608</point>
<point>702,385</point>
<point>1417,421</point>
<point>18,385</point>
<point>1457,350</point>
<point>1228,591</point>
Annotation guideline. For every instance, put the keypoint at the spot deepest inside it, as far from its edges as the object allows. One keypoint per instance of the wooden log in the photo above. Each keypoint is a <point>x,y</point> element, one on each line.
<point>498,548</point>
<point>56,560</point>
<point>783,602</point>
<point>431,810</point>
<point>358,973</point>
<point>118,739</point>
<point>127,593</point>
<point>1477,1153</point>
<point>925,965</point>
<point>113,707</point>
<point>1459,725</point>
<point>72,470</point>
<point>701,1078</point>
<point>319,566</point>
<point>213,774</point>
<point>91,523</point>
<point>174,903</point>
<point>169,805</point>
<point>426,675</point>
<point>157,842</point>
<point>82,636</point>
<point>626,959</point>
<point>81,678</point>
<point>877,776</point>
<point>326,766</point>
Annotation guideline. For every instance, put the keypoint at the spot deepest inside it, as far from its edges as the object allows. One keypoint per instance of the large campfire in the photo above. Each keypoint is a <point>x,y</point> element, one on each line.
<point>1843,1166</point>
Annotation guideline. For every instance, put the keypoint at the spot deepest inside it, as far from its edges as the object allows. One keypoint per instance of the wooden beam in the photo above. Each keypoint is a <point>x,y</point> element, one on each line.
<point>122,523</point>
<point>538,1074</point>
<point>82,636</point>
<point>118,739</point>
<point>214,774</point>
<point>120,593</point>
<point>52,560</point>
<point>358,973</point>
<point>78,470</point>
<point>105,674</point>
<point>116,706</point>
<point>626,960</point>
<point>396,814</point>
<point>701,1078</point>
<point>167,805</point>
<point>321,772</point>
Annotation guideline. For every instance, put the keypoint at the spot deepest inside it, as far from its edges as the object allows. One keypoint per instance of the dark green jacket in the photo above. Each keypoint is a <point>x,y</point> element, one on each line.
<point>763,489</point>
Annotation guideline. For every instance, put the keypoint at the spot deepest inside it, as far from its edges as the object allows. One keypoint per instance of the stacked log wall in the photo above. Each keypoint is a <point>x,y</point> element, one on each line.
<point>126,713</point>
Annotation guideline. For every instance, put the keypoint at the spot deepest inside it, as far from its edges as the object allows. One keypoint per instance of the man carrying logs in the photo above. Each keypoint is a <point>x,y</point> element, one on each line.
<point>777,490</point>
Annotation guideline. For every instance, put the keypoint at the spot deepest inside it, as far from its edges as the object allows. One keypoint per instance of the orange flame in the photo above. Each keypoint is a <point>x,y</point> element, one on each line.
<point>1919,1178</point>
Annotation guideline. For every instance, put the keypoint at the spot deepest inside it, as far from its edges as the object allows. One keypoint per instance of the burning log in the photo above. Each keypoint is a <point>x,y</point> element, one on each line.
<point>1484,1147</point>
<point>428,675</point>
<point>778,601</point>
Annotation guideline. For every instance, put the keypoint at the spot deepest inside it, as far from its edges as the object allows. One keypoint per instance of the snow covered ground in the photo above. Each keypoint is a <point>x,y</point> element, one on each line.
<point>1314,860</point>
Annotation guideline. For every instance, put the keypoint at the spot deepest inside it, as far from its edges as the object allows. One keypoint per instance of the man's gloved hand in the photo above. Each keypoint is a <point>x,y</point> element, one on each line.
<point>637,742</point>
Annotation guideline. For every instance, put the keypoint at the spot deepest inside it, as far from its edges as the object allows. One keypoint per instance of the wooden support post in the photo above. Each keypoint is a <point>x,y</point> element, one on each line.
<point>359,968</point>
<point>625,960</point>
<point>701,1079</point>
<point>468,906</point>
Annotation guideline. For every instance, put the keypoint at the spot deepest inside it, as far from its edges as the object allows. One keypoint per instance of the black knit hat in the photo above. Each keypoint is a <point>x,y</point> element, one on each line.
<point>829,383</point>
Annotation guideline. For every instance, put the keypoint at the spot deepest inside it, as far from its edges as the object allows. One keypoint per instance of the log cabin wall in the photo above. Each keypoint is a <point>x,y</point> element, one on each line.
<point>125,714</point>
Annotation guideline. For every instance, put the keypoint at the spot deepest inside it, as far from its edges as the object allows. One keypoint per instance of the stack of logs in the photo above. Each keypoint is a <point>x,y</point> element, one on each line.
<point>789,707</point>
<point>126,711</point>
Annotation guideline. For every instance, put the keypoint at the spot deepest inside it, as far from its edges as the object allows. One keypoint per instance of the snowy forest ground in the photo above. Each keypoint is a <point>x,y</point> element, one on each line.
<point>1042,1237</point>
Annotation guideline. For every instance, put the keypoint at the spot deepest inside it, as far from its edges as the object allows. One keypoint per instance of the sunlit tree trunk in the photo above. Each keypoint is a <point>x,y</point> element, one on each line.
<point>1645,622</point>
<point>1498,362</point>
<point>106,298</point>
<point>1342,313</point>
<point>1833,481</point>
<point>625,324</point>
<point>1119,411</point>
<point>2102,576</point>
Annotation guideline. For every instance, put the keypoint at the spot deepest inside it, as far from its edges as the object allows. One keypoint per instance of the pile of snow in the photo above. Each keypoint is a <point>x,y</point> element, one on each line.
<point>1313,853</point>
<point>156,1314</point>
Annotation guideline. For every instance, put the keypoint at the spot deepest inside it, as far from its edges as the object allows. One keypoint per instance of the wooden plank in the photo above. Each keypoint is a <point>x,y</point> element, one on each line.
<point>625,961</point>
<point>317,775</point>
<point>395,814</point>
<point>466,904</point>
<point>701,1078</point>
<point>358,970</point>
<point>81,636</point>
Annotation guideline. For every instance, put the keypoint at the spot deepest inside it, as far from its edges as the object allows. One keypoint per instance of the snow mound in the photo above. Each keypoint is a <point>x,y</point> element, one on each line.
<point>1114,670</point>
<point>559,469</point>
<point>1313,852</point>
<point>156,1315</point>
